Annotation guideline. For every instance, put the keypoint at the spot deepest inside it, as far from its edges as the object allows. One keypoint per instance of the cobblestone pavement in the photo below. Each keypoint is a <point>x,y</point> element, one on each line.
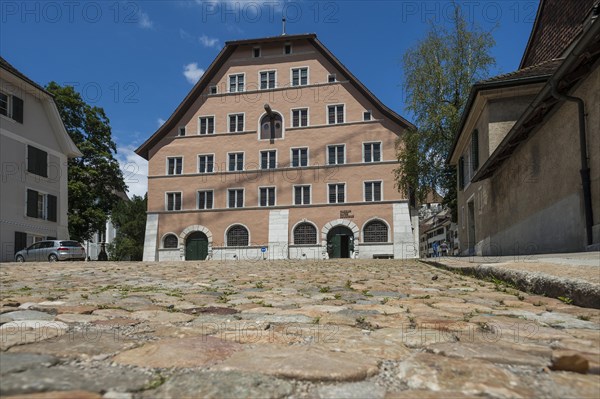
<point>330,329</point>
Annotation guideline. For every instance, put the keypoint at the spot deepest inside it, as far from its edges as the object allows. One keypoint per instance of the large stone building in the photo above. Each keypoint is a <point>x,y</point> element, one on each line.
<point>308,177</point>
<point>34,148</point>
<point>527,150</point>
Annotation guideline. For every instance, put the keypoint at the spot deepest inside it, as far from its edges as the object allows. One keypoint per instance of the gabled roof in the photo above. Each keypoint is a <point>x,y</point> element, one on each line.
<point>68,146</point>
<point>220,60</point>
<point>557,24</point>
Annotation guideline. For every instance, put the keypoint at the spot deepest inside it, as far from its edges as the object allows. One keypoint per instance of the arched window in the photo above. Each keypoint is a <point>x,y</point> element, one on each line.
<point>305,234</point>
<point>375,231</point>
<point>265,127</point>
<point>170,241</point>
<point>237,236</point>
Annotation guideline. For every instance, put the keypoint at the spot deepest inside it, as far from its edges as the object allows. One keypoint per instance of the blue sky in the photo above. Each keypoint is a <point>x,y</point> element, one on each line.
<point>138,59</point>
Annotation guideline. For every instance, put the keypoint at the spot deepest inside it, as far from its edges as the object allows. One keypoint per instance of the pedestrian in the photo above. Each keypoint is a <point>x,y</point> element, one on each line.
<point>435,249</point>
<point>444,248</point>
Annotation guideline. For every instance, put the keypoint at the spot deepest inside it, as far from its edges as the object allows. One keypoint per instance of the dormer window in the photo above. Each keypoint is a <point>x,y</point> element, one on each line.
<point>287,49</point>
<point>256,52</point>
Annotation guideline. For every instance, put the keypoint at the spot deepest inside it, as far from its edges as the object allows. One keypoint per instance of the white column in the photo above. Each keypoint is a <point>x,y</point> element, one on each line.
<point>278,234</point>
<point>405,246</point>
<point>150,240</point>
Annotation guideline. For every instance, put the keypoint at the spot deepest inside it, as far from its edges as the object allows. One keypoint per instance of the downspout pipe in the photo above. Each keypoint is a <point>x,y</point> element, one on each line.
<point>585,169</point>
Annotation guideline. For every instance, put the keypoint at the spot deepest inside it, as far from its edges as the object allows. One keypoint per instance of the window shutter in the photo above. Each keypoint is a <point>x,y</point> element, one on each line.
<point>461,173</point>
<point>20,241</point>
<point>32,199</point>
<point>37,161</point>
<point>475,149</point>
<point>17,113</point>
<point>52,208</point>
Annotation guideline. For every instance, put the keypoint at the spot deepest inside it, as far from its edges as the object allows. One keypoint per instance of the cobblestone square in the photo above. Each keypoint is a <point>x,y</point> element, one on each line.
<point>301,329</point>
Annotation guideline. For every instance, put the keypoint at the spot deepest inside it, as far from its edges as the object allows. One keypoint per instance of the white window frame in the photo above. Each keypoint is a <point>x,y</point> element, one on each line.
<point>310,194</point>
<point>336,193</point>
<point>9,105</point>
<point>380,151</point>
<point>200,124</point>
<point>229,122</point>
<point>236,82</point>
<point>327,154</point>
<point>292,156</point>
<point>370,115</point>
<point>336,120</point>
<point>198,198</point>
<point>243,161</point>
<point>167,201</point>
<point>300,76</point>
<point>210,89</point>
<point>43,194</point>
<point>259,198</point>
<point>372,192</point>
<point>206,155</point>
<point>179,131</point>
<point>243,197</point>
<point>267,71</point>
<point>300,119</point>
<point>260,153</point>
<point>175,166</point>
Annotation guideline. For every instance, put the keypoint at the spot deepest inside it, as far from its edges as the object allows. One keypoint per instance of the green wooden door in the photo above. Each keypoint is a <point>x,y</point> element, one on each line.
<point>196,246</point>
<point>336,241</point>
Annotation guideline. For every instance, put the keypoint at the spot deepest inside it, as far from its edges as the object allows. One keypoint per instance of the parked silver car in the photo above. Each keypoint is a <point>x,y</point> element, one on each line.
<point>52,251</point>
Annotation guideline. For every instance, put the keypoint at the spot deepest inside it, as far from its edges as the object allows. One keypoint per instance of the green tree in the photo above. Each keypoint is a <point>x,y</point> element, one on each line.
<point>439,72</point>
<point>94,178</point>
<point>129,217</point>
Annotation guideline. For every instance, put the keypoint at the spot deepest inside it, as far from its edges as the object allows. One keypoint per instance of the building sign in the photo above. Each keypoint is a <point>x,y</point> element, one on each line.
<point>346,215</point>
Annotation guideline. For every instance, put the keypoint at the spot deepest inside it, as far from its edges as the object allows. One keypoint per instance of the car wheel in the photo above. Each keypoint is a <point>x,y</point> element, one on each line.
<point>20,259</point>
<point>53,258</point>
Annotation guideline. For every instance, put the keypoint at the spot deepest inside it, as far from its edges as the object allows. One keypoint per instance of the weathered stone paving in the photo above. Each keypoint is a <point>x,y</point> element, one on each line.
<point>331,329</point>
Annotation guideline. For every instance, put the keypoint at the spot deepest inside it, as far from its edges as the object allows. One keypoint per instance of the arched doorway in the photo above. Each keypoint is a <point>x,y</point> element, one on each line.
<point>340,242</point>
<point>196,246</point>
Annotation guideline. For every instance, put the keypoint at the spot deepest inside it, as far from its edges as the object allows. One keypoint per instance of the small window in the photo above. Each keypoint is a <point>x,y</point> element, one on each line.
<point>213,90</point>
<point>42,206</point>
<point>207,125</point>
<point>300,117</point>
<point>375,231</point>
<point>206,163</point>
<point>182,130</point>
<point>170,241</point>
<point>337,193</point>
<point>237,236</point>
<point>11,106</point>
<point>37,161</point>
<point>299,76</point>
<point>332,78</point>
<point>268,159</point>
<point>299,157</point>
<point>367,116</point>
<point>287,48</point>
<point>372,152</point>
<point>373,191</point>
<point>268,80</point>
<point>301,195</point>
<point>475,149</point>
<point>305,234</point>
<point>335,154</point>
<point>205,199</point>
<point>335,114</point>
<point>236,123</point>
<point>235,198</point>
<point>266,196</point>
<point>236,83</point>
<point>174,166</point>
<point>173,201</point>
<point>4,104</point>
<point>256,52</point>
<point>266,133</point>
<point>236,161</point>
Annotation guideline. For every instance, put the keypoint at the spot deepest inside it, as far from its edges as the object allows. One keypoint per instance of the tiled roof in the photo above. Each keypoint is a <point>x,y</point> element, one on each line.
<point>557,25</point>
<point>8,67</point>
<point>545,68</point>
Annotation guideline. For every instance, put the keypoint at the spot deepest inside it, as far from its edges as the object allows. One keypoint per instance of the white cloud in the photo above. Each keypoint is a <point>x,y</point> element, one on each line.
<point>135,171</point>
<point>208,41</point>
<point>160,122</point>
<point>145,22</point>
<point>192,73</point>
